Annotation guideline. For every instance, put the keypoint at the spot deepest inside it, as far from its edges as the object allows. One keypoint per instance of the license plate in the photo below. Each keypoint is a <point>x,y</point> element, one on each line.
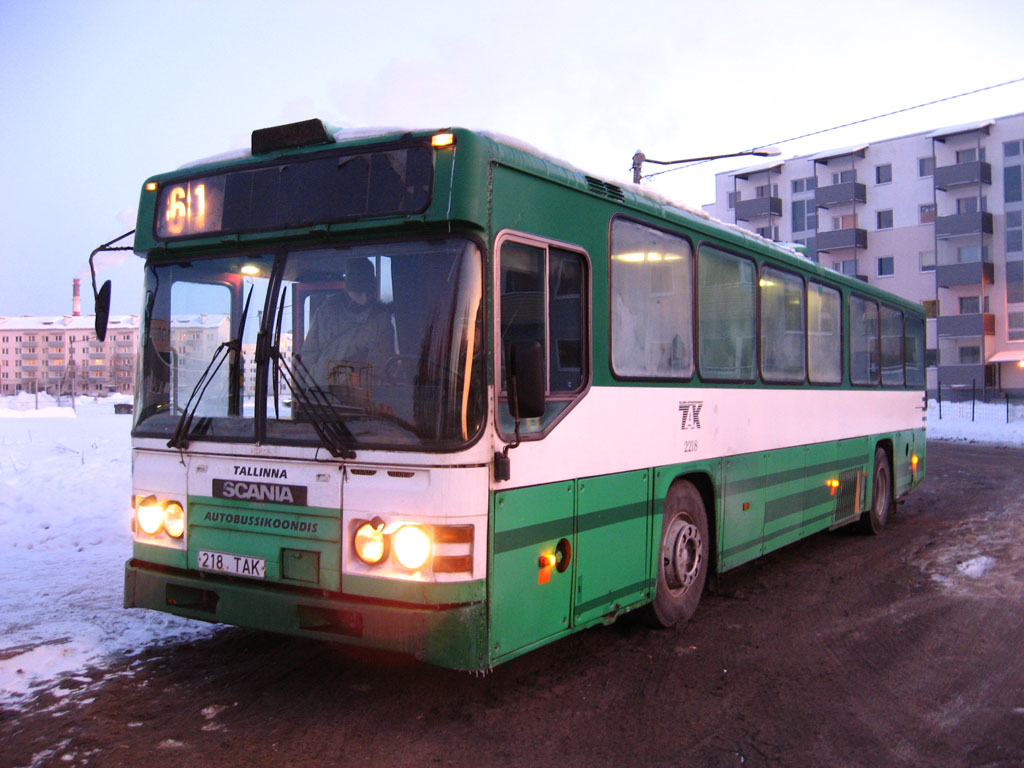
<point>237,565</point>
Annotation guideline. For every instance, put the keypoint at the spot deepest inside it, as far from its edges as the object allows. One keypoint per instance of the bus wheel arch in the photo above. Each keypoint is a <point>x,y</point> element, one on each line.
<point>684,555</point>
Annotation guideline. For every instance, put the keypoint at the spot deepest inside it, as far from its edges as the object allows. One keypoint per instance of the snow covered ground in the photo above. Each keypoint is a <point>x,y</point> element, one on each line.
<point>65,485</point>
<point>65,490</point>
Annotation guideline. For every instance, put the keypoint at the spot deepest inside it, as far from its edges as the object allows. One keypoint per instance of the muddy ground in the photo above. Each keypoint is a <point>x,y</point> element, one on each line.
<point>842,650</point>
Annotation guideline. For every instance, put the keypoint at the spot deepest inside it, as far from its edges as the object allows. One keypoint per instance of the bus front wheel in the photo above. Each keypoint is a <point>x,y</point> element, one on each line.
<point>683,561</point>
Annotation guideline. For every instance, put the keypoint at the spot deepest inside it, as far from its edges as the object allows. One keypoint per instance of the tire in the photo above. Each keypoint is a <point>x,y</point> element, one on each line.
<point>873,521</point>
<point>683,558</point>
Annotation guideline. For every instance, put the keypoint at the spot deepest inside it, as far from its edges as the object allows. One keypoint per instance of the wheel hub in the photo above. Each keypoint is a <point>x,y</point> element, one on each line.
<point>683,558</point>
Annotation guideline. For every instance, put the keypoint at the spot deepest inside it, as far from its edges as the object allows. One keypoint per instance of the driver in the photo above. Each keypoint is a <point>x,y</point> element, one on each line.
<point>350,326</point>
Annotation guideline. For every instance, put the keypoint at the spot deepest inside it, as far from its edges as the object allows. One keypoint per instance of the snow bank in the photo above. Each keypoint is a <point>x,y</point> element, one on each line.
<point>988,424</point>
<point>65,485</point>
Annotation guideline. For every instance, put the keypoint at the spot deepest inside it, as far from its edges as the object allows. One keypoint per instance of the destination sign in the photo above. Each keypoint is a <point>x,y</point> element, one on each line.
<point>298,193</point>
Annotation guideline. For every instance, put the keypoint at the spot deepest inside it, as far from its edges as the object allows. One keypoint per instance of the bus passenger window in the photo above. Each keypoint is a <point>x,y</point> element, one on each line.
<point>824,335</point>
<point>863,341</point>
<point>892,347</point>
<point>726,315</point>
<point>782,326</point>
<point>914,353</point>
<point>652,302</point>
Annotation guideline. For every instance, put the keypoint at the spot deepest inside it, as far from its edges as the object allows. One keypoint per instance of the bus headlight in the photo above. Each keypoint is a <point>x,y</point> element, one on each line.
<point>369,543</point>
<point>150,514</point>
<point>174,520</point>
<point>412,547</point>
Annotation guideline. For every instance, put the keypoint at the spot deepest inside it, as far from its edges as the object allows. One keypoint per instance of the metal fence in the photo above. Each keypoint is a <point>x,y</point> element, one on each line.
<point>984,404</point>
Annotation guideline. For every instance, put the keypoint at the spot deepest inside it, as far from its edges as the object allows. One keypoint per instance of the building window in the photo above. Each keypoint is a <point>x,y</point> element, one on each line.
<point>971,204</point>
<point>970,355</point>
<point>926,260</point>
<point>969,254</point>
<point>805,215</point>
<point>925,166</point>
<point>846,221</point>
<point>927,213</point>
<point>1014,230</point>
<point>970,305</point>
<point>844,177</point>
<point>734,197</point>
<point>847,267</point>
<point>808,184</point>
<point>931,308</point>
<point>883,173</point>
<point>1015,326</point>
<point>1012,184</point>
<point>767,190</point>
<point>885,266</point>
<point>970,155</point>
<point>885,219</point>
<point>769,233</point>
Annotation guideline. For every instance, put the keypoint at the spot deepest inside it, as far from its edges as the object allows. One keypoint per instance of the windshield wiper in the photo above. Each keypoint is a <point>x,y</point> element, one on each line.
<point>222,353</point>
<point>326,419</point>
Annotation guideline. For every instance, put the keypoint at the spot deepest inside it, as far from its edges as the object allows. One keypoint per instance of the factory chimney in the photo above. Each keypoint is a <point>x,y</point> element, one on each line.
<point>76,299</point>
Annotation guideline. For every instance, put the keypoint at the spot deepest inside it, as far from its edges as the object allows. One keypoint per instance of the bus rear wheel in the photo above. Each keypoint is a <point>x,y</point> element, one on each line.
<point>683,560</point>
<point>874,520</point>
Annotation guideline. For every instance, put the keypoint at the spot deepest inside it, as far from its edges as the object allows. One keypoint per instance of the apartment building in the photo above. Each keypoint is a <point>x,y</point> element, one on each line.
<point>61,355</point>
<point>934,216</point>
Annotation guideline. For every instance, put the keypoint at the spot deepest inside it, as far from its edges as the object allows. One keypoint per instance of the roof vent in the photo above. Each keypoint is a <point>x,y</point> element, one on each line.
<point>605,189</point>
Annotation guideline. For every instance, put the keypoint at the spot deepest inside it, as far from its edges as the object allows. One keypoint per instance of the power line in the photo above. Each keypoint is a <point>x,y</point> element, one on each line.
<point>858,122</point>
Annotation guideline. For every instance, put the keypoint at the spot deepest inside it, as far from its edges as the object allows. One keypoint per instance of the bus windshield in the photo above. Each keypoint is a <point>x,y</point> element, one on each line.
<point>368,346</point>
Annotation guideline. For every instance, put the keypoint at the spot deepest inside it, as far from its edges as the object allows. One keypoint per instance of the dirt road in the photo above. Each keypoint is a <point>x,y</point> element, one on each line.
<point>843,650</point>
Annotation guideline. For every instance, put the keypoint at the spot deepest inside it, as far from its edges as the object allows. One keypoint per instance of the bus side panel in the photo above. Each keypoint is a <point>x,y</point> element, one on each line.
<point>741,532</point>
<point>613,526</point>
<point>785,499</point>
<point>821,470</point>
<point>529,601</point>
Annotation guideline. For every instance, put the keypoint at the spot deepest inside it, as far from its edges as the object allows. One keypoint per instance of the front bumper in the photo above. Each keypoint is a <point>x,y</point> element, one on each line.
<point>449,636</point>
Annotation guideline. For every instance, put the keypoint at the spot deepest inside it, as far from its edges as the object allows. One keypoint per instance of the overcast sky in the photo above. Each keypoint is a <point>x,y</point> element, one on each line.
<point>98,95</point>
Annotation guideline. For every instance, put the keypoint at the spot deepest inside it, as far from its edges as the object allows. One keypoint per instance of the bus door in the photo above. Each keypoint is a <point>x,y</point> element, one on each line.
<point>532,557</point>
<point>567,554</point>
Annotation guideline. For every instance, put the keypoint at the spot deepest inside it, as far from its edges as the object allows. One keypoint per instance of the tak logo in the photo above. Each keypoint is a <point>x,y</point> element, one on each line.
<point>691,414</point>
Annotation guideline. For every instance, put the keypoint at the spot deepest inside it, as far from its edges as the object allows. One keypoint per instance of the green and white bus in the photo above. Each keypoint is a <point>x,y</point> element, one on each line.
<point>584,399</point>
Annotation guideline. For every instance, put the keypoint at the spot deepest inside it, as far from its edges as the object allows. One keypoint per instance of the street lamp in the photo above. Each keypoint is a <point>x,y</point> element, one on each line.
<point>640,158</point>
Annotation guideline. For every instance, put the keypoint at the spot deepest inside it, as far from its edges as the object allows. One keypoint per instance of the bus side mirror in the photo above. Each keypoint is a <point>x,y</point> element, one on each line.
<point>102,310</point>
<point>526,380</point>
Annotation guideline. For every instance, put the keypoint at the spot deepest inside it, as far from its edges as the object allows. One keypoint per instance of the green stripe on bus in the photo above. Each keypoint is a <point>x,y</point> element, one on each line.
<point>517,538</point>
<point>734,487</point>
<point>732,551</point>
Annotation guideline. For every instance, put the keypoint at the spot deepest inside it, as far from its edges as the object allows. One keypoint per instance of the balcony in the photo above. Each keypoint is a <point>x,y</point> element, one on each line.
<point>966,325</point>
<point>840,194</point>
<point>960,224</point>
<point>962,375</point>
<point>852,237</point>
<point>972,273</point>
<point>758,207</point>
<point>949,176</point>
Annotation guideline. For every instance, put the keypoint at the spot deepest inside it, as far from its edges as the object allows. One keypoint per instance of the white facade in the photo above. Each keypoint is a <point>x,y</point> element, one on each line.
<point>935,217</point>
